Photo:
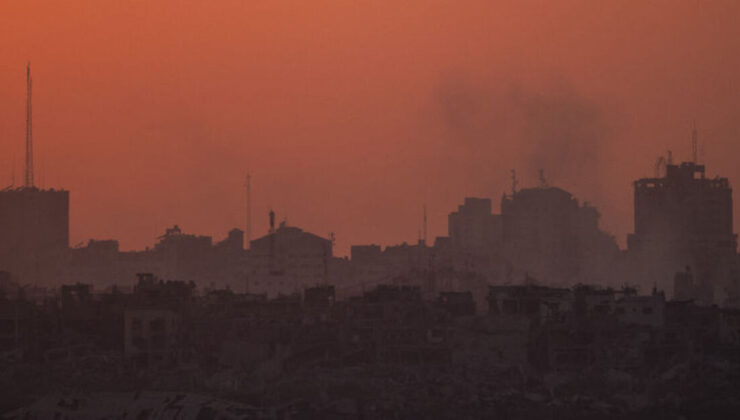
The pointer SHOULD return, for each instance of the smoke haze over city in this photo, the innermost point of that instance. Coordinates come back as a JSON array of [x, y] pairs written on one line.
[[366, 209], [350, 116]]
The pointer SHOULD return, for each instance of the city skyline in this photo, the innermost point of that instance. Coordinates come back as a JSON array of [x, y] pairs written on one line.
[[369, 209], [354, 130]]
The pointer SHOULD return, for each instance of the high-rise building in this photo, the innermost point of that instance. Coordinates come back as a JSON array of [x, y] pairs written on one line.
[[551, 236], [473, 227], [684, 220], [34, 223], [34, 228]]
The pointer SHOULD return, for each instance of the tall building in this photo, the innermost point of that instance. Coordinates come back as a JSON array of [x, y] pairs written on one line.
[[34, 230], [549, 235], [34, 223], [684, 220], [473, 227]]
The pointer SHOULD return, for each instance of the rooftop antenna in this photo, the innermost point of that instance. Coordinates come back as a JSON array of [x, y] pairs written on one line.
[[249, 210], [660, 165], [272, 221], [514, 182], [12, 174], [425, 225], [271, 262], [543, 181], [694, 144], [42, 172], [29, 130]]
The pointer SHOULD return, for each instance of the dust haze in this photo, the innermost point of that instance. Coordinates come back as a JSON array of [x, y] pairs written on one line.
[[553, 128]]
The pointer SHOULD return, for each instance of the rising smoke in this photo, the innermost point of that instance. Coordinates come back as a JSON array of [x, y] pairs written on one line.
[[554, 128]]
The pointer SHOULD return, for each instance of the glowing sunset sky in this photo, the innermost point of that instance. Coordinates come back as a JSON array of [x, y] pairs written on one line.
[[352, 114]]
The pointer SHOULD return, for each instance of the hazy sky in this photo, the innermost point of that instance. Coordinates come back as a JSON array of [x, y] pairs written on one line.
[[351, 114]]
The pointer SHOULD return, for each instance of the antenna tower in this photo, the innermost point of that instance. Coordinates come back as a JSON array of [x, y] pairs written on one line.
[[12, 174], [249, 210], [29, 130], [543, 181], [425, 224], [694, 145]]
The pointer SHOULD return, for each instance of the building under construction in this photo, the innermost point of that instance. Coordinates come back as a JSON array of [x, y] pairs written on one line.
[[683, 222]]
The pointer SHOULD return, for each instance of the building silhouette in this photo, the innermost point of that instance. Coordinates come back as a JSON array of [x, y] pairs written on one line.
[[473, 227], [34, 226], [547, 233], [287, 260], [684, 219]]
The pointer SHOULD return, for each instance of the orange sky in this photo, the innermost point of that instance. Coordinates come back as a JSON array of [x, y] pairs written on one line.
[[352, 114]]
